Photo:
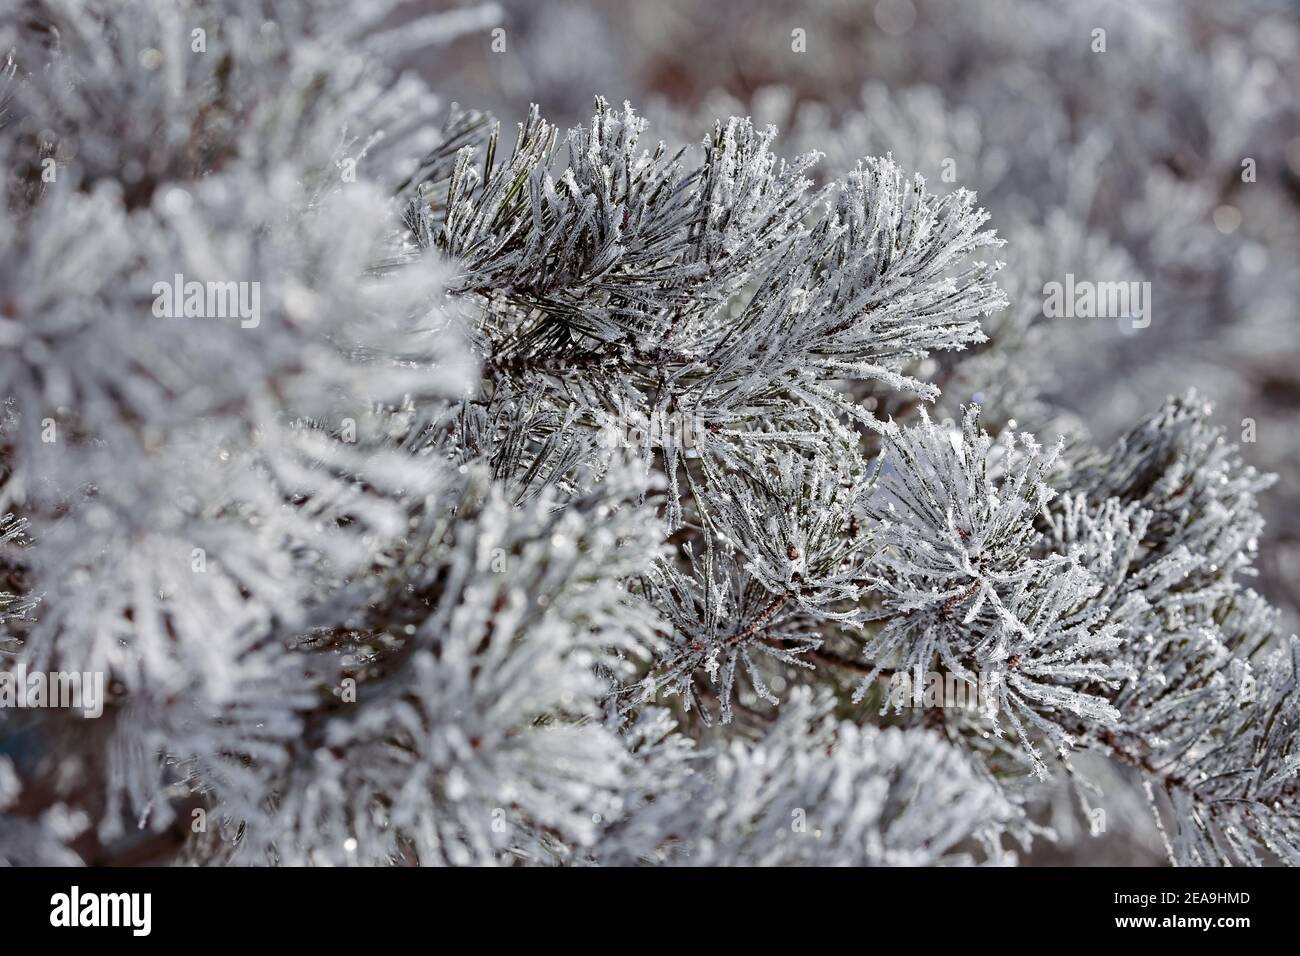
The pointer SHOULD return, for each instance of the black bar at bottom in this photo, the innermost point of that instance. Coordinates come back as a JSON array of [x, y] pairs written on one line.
[[338, 907]]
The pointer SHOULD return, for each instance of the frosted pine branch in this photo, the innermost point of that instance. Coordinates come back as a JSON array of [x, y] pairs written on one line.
[[568, 498]]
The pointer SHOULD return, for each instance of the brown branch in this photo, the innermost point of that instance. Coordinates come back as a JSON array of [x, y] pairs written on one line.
[[761, 621]]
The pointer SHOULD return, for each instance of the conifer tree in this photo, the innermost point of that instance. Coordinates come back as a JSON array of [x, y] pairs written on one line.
[[430, 491]]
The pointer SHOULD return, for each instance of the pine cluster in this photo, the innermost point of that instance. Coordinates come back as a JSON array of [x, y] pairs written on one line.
[[572, 500]]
